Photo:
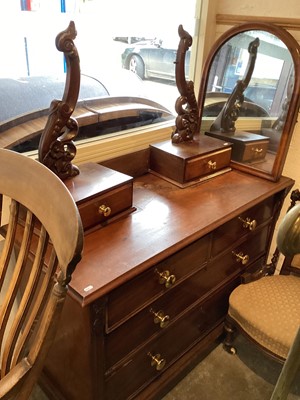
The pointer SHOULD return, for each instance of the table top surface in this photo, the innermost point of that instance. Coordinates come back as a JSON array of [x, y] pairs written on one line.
[[167, 218]]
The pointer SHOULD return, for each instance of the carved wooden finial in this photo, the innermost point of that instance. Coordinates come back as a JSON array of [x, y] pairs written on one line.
[[56, 147], [186, 106]]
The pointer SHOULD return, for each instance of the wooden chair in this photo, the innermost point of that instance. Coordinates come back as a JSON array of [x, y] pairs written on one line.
[[41, 238], [267, 309]]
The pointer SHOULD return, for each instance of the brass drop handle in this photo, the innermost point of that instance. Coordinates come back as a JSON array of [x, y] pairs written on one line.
[[104, 210], [247, 223], [240, 257], [157, 361], [212, 165], [256, 150], [165, 278], [160, 318]]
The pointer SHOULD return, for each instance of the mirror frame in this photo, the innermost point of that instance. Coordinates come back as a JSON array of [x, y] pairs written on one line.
[[292, 115]]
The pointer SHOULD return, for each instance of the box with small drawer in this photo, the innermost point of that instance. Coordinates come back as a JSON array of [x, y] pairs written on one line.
[[101, 194], [186, 163], [247, 147]]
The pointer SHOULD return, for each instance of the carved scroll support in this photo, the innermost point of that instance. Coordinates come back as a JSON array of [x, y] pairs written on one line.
[[56, 147], [225, 121], [187, 120]]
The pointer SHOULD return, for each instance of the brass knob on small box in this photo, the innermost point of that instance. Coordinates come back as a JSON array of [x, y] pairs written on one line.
[[256, 150], [240, 257], [104, 210], [157, 361], [212, 165], [165, 278], [247, 223], [160, 318]]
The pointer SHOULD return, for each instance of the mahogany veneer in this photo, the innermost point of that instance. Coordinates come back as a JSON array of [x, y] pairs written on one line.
[[121, 316]]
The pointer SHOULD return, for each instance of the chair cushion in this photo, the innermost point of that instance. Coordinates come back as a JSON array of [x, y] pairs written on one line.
[[268, 310]]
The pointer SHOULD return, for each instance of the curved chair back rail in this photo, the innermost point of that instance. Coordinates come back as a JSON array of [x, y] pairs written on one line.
[[41, 242]]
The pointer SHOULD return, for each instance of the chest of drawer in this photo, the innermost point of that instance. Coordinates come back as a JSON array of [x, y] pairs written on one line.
[[160, 314], [140, 368], [134, 295], [247, 222], [164, 311]]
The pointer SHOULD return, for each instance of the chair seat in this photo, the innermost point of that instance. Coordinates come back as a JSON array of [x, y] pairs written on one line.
[[276, 299]]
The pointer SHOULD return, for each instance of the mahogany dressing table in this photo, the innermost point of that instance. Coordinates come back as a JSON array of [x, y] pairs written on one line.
[[148, 300]]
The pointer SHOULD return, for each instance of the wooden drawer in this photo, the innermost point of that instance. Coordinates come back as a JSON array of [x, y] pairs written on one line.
[[141, 327], [226, 235], [256, 151], [100, 193], [106, 206], [134, 295], [207, 164], [251, 249], [137, 371]]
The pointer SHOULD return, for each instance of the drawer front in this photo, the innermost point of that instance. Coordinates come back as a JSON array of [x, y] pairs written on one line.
[[102, 208], [137, 370], [134, 295], [249, 221], [207, 164], [162, 313], [255, 151], [240, 258]]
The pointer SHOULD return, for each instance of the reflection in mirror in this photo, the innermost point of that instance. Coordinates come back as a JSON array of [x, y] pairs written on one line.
[[258, 92], [225, 121]]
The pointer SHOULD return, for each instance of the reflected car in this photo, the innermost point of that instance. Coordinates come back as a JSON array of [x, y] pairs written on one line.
[[128, 39], [262, 94], [153, 59], [215, 101], [101, 108]]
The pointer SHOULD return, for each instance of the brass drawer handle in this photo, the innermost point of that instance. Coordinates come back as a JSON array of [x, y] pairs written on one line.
[[165, 278], [248, 224], [212, 165], [157, 361], [160, 318], [104, 210], [240, 257]]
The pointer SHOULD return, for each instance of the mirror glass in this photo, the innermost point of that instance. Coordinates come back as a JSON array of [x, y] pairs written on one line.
[[264, 117]]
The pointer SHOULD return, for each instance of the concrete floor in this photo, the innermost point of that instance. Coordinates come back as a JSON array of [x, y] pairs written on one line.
[[248, 375]]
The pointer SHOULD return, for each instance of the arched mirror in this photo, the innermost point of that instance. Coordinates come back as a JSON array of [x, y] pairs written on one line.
[[267, 113]]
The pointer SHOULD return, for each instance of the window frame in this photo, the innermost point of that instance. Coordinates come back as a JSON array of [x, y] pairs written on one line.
[[114, 145]]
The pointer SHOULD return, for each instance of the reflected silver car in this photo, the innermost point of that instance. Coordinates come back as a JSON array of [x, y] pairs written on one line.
[[153, 59]]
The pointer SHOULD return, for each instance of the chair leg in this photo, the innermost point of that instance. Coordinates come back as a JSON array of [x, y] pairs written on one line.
[[230, 332]]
